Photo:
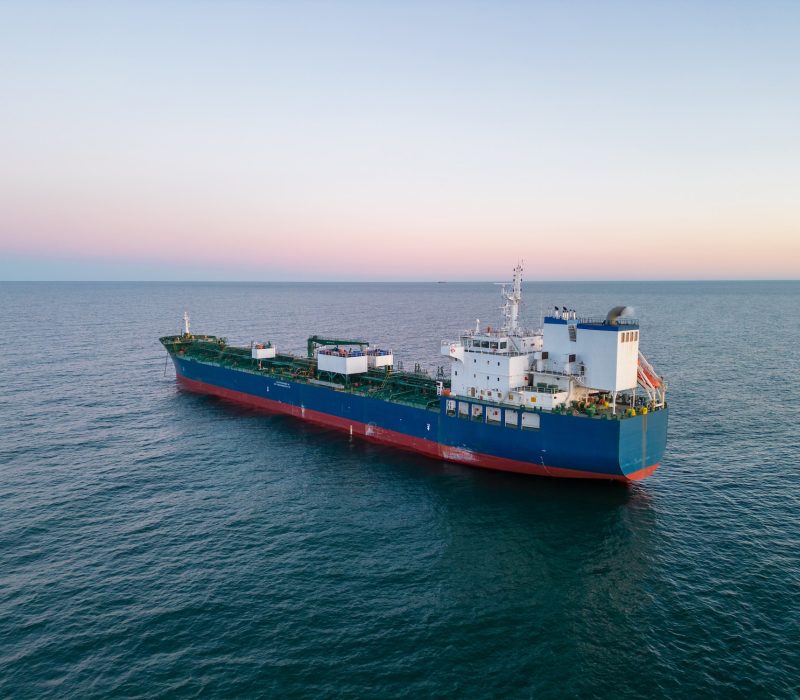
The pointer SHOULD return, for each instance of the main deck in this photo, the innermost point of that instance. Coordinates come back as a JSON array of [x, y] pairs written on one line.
[[416, 388]]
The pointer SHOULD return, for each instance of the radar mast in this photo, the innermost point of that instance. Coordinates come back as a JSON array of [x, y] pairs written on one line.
[[511, 302]]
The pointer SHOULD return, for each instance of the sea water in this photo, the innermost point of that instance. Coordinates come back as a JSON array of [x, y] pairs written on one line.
[[159, 543]]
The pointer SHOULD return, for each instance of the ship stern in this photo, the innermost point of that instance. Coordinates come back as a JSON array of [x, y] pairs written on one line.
[[642, 442]]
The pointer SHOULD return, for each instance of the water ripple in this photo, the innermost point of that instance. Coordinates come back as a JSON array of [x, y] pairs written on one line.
[[154, 543]]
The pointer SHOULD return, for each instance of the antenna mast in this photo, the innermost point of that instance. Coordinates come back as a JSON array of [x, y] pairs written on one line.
[[186, 323], [511, 302]]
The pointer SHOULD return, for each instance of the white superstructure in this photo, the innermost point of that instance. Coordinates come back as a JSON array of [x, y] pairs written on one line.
[[569, 359], [342, 361], [262, 351], [349, 360]]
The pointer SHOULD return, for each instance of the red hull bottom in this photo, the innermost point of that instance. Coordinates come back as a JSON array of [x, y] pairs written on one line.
[[382, 436]]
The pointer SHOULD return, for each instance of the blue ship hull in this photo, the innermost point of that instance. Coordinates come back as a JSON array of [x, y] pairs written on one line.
[[563, 445]]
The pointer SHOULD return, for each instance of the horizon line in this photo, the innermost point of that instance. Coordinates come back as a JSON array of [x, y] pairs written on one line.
[[395, 281]]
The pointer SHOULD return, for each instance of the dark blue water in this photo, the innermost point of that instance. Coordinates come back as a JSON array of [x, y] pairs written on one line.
[[156, 543]]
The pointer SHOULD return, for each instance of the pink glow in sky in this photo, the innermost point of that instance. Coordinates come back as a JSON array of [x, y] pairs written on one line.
[[430, 141]]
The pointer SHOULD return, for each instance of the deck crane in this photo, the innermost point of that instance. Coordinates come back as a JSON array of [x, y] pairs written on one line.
[[316, 341]]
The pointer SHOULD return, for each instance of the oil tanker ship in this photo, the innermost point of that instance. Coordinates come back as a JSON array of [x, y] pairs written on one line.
[[574, 398]]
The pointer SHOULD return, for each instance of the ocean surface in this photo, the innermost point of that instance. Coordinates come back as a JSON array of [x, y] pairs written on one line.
[[155, 543]]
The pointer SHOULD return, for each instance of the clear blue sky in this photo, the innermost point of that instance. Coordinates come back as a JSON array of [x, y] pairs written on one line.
[[356, 140]]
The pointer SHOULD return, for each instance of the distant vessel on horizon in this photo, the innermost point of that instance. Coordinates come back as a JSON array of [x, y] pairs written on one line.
[[575, 398]]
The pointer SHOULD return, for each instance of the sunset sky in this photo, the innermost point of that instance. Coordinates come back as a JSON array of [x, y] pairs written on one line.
[[419, 141]]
